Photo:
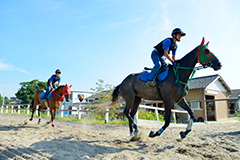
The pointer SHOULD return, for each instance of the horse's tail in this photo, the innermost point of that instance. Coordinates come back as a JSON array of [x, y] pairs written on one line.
[[115, 94], [32, 103]]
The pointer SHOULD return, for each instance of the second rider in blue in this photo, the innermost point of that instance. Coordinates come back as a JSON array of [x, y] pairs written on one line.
[[161, 51]]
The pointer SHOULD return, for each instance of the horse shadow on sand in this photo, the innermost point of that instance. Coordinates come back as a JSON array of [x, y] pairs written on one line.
[[66, 148], [230, 135], [15, 127]]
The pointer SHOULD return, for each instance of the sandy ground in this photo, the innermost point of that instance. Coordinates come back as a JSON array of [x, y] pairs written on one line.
[[75, 140]]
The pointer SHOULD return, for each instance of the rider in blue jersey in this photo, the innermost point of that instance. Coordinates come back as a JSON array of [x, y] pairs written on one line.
[[161, 52], [51, 83]]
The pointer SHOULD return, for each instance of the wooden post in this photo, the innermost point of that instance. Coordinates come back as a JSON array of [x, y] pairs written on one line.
[[18, 109], [106, 116], [6, 109], [174, 117], [62, 107], [37, 109], [156, 111], [48, 111], [12, 109], [204, 107], [28, 108], [136, 117], [156, 114], [79, 112]]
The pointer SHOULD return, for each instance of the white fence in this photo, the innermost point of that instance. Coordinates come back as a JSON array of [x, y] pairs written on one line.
[[26, 107]]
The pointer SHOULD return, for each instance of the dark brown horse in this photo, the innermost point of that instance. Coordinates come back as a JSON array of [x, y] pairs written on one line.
[[171, 90], [53, 102]]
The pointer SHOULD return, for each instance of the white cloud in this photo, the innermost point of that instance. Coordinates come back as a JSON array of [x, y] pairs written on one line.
[[125, 22], [9, 67]]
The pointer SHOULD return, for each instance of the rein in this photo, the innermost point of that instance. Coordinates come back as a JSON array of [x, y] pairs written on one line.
[[175, 69], [55, 96], [203, 58], [66, 90]]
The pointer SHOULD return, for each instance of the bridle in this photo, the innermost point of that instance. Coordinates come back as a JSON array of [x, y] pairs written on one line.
[[205, 58], [66, 91]]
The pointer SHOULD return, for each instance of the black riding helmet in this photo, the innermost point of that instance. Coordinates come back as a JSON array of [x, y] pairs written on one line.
[[58, 71], [177, 31]]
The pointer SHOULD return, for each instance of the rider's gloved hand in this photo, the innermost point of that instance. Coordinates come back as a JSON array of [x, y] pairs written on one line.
[[174, 63], [53, 89]]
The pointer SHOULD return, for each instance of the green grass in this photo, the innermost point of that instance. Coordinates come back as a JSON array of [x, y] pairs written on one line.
[[96, 118], [238, 115], [149, 115], [44, 115]]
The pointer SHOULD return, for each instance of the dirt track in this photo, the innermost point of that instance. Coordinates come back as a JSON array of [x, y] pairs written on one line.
[[74, 140]]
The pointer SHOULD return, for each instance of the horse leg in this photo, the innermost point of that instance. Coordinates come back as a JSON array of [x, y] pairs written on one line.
[[53, 117], [34, 104], [185, 106], [51, 111], [39, 114], [129, 103], [168, 107], [133, 112]]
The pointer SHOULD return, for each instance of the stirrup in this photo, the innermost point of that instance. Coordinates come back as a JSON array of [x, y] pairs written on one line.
[[163, 68], [151, 83]]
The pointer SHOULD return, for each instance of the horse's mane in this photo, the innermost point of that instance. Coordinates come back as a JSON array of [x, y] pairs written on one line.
[[184, 57], [59, 87]]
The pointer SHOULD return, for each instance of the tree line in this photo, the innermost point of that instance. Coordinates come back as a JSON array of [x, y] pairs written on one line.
[[27, 90]]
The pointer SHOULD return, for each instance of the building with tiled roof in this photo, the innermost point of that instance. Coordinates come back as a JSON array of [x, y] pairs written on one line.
[[209, 88]]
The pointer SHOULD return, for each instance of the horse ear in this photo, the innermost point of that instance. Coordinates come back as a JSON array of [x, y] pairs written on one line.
[[70, 86], [202, 43], [207, 43]]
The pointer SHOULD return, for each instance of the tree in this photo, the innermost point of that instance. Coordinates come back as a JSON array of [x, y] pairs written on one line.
[[103, 91], [28, 89], [1, 99], [6, 100]]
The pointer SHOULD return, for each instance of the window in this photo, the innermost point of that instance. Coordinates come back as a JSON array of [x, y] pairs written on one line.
[[195, 105], [81, 95]]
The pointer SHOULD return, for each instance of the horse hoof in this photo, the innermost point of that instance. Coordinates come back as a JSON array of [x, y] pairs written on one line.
[[53, 126], [47, 122], [31, 119], [151, 134], [136, 132], [131, 134], [182, 134]]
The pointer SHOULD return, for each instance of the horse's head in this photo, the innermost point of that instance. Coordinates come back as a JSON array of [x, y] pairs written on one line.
[[207, 58], [66, 92]]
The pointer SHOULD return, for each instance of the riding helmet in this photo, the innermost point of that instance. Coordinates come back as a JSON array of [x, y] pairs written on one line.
[[178, 30], [58, 71]]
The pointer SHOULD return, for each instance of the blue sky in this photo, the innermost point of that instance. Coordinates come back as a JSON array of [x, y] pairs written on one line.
[[105, 39]]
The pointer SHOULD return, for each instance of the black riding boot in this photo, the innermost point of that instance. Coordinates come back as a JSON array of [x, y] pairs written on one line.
[[153, 83]]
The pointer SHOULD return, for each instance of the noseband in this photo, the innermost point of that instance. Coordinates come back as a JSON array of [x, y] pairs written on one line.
[[66, 91]]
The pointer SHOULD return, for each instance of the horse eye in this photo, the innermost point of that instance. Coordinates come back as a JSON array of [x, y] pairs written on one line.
[[66, 91], [206, 51]]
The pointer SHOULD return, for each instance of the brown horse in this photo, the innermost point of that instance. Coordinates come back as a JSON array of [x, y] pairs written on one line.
[[53, 102]]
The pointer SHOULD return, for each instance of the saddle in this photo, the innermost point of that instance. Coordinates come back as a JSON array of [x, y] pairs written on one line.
[[161, 76], [42, 95]]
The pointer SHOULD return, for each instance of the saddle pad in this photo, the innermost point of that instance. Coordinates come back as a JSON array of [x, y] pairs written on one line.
[[161, 76], [41, 95]]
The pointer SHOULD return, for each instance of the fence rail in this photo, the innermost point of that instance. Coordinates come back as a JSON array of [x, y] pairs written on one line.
[[17, 108]]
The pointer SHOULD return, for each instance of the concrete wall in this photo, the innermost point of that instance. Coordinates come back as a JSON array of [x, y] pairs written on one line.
[[194, 95], [221, 106]]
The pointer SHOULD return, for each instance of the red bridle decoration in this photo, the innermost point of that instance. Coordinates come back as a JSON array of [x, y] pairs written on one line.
[[66, 91]]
